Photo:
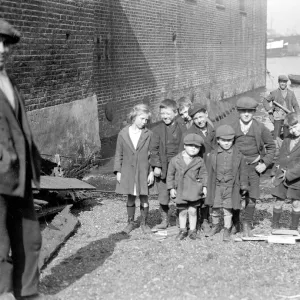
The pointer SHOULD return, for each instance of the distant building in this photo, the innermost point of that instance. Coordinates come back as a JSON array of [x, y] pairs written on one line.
[[112, 54]]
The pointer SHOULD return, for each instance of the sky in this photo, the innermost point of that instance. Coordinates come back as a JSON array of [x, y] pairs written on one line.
[[284, 16]]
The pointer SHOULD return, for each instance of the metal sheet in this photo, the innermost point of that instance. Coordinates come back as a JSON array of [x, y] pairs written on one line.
[[61, 183]]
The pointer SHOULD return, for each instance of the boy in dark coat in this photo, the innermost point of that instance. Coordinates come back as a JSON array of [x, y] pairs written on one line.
[[186, 181], [286, 98], [164, 145], [204, 128], [286, 173], [256, 143], [227, 177]]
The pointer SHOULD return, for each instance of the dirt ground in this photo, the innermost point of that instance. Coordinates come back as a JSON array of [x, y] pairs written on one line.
[[99, 262]]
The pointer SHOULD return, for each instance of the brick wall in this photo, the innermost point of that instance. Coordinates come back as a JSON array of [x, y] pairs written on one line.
[[128, 51]]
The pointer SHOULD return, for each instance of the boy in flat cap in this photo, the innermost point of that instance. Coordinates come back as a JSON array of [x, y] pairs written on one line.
[[255, 142], [227, 180], [19, 164], [204, 128], [285, 97], [186, 181], [286, 173], [164, 145]]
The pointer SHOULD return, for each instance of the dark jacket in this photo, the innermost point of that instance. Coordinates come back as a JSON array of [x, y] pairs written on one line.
[[264, 141], [16, 145], [210, 141], [188, 180], [240, 174], [290, 101], [132, 163], [158, 153], [289, 161]]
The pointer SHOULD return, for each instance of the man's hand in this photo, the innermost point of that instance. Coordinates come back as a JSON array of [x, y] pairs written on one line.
[[244, 193], [150, 179], [271, 117], [157, 172], [283, 175], [119, 177], [261, 167], [204, 192], [173, 193]]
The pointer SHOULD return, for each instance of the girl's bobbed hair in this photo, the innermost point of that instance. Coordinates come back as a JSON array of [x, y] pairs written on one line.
[[138, 110]]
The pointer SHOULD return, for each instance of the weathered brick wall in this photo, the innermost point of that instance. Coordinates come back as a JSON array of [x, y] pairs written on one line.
[[126, 51]]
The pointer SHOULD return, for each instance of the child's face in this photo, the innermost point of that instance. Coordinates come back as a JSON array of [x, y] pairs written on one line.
[[200, 119], [295, 130], [225, 143], [184, 113], [246, 115], [141, 120], [192, 150], [168, 115], [283, 85]]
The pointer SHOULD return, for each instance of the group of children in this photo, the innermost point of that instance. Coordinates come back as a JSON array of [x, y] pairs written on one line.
[[204, 170]]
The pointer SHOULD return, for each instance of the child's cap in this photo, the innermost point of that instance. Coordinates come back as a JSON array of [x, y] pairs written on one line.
[[225, 131], [193, 139], [196, 108], [246, 103], [282, 78]]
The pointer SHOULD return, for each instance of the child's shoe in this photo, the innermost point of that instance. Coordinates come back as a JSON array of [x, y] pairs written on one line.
[[205, 227], [182, 234], [235, 228], [247, 230], [226, 235], [193, 234], [130, 226], [213, 230], [146, 229]]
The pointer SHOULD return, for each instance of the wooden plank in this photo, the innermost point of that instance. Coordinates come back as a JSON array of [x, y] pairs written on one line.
[[255, 238], [285, 232], [61, 183], [281, 239], [48, 211], [62, 227]]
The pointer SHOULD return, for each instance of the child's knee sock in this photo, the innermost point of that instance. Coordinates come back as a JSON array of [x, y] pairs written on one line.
[[204, 213], [227, 218], [182, 218], [295, 220], [249, 210], [192, 217], [215, 216]]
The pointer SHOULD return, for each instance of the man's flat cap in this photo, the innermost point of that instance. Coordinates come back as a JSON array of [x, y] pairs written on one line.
[[282, 78], [225, 131], [246, 103], [196, 108], [13, 35], [193, 139]]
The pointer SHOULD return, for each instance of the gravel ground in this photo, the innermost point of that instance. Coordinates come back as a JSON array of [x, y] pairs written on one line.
[[99, 262]]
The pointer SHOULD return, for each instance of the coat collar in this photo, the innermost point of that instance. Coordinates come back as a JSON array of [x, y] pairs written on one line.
[[193, 162], [144, 135], [296, 147]]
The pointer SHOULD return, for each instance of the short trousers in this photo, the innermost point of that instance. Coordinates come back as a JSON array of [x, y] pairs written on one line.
[[163, 192], [253, 181], [195, 204], [223, 196], [283, 192]]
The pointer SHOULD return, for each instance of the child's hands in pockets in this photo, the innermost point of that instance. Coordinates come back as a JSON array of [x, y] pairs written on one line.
[[173, 193], [204, 191], [119, 177], [150, 179]]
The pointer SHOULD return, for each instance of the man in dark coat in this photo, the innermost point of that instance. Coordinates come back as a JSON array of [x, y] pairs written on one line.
[[256, 143], [205, 128], [286, 98], [19, 164]]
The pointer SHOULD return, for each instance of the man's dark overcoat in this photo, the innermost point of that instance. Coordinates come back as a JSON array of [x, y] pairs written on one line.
[[240, 181], [15, 137], [132, 163]]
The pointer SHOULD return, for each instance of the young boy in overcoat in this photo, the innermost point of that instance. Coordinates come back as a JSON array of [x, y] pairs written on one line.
[[286, 97], [227, 180], [286, 173], [204, 128], [164, 145], [186, 180], [256, 143]]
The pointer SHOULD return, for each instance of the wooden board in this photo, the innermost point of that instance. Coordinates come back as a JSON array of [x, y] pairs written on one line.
[[281, 239], [285, 232], [62, 227], [61, 183], [255, 238]]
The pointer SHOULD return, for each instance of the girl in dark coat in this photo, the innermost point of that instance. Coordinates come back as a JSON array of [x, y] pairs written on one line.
[[132, 168]]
